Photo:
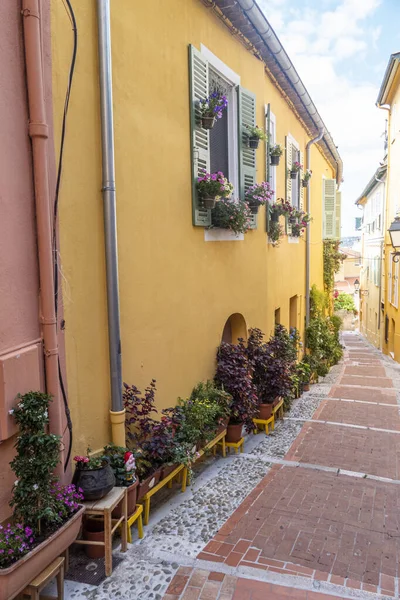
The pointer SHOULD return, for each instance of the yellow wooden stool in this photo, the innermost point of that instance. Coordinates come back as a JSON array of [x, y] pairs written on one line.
[[260, 423], [137, 516], [277, 410], [235, 445], [54, 570]]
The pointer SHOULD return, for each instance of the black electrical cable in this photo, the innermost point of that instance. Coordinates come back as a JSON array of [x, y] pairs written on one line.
[[71, 15]]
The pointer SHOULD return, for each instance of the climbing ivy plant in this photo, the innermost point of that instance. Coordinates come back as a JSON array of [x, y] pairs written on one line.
[[332, 261]]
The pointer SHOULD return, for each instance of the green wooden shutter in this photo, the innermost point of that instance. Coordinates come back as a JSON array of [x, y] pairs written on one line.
[[329, 199], [267, 160], [200, 138], [302, 189], [247, 156], [338, 214], [289, 162]]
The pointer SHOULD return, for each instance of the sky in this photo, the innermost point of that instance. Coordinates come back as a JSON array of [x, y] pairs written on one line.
[[341, 48]]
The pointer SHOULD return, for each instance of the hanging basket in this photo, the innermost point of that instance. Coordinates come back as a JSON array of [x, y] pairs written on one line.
[[209, 202], [207, 122], [293, 174], [254, 208], [254, 142], [305, 183], [275, 158], [292, 220], [274, 217]]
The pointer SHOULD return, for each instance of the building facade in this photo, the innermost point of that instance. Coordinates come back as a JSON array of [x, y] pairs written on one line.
[[389, 99], [183, 285], [372, 281]]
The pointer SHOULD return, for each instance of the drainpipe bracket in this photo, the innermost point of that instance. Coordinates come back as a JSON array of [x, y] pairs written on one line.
[[52, 352], [38, 130], [27, 11], [51, 321]]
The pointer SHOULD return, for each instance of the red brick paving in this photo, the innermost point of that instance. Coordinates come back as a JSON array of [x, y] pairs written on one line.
[[379, 382], [367, 395], [360, 450], [313, 524], [359, 414], [228, 587]]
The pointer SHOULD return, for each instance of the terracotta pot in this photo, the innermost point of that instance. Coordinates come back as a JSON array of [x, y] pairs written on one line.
[[15, 578], [93, 531], [132, 495], [95, 483], [234, 432], [167, 469], [148, 483], [254, 142], [293, 174], [265, 411], [222, 427], [275, 160], [207, 122], [209, 202], [306, 387]]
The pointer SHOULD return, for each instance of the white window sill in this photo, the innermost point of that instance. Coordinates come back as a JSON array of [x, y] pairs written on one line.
[[222, 235]]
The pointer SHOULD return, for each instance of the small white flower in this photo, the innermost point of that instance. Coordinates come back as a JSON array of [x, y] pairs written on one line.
[[16, 482], [35, 487], [11, 411]]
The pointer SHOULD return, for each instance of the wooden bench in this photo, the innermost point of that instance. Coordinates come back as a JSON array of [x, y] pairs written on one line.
[[54, 570]]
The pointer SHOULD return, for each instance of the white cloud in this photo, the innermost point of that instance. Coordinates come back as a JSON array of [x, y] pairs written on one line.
[[324, 46]]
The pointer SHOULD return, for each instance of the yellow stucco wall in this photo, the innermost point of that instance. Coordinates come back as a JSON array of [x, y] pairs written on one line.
[[176, 290], [392, 195]]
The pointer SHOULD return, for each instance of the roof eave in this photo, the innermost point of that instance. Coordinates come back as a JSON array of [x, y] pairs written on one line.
[[388, 77]]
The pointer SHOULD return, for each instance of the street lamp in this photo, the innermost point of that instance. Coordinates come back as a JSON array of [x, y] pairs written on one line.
[[356, 286], [394, 232]]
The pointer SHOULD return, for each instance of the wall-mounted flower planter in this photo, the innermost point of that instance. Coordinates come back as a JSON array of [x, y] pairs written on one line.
[[305, 183], [209, 202], [274, 217], [275, 159], [292, 220], [293, 174], [207, 122], [254, 208], [254, 143], [15, 578]]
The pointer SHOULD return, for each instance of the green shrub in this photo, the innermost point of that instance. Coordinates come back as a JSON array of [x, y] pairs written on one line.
[[322, 343], [345, 302]]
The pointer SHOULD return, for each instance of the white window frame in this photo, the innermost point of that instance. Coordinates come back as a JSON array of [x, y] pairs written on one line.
[[296, 144], [390, 276], [395, 302], [272, 139]]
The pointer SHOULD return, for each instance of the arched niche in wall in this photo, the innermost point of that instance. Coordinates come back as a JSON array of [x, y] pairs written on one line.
[[235, 328]]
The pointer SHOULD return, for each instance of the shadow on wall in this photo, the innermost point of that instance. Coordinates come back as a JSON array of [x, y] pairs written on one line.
[[235, 328]]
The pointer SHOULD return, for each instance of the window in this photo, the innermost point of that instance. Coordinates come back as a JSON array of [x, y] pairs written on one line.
[[224, 147], [277, 316], [272, 142], [294, 189], [293, 310]]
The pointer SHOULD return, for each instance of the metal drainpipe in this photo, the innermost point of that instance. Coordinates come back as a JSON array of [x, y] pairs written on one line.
[[117, 412], [308, 239], [39, 133]]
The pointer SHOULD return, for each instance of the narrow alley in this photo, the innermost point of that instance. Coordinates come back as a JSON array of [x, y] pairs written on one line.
[[324, 521]]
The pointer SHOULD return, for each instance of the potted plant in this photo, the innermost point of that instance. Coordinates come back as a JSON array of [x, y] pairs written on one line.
[[212, 108], [233, 374], [213, 186], [93, 475], [304, 373], [231, 214], [47, 516], [218, 401], [296, 167], [122, 462], [306, 177], [276, 210], [300, 222], [275, 153], [258, 195], [140, 428], [255, 134]]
